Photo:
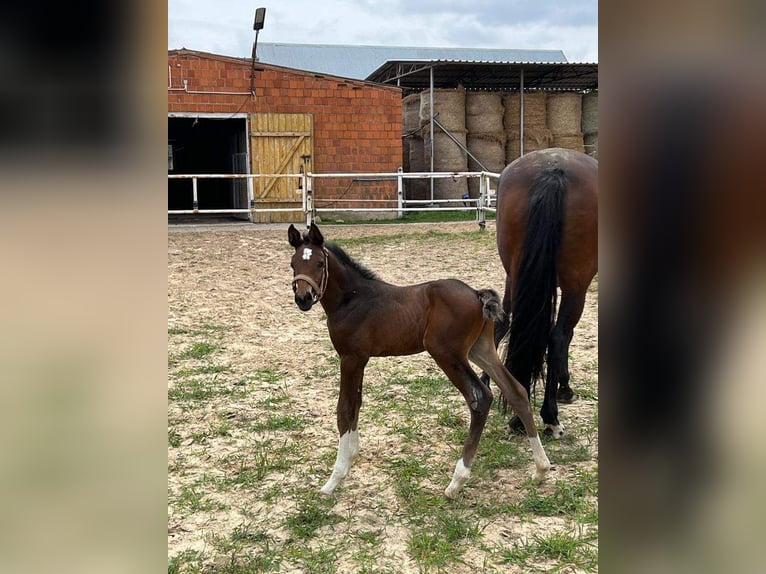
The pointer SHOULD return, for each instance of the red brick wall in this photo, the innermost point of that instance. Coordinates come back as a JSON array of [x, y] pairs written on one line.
[[357, 125]]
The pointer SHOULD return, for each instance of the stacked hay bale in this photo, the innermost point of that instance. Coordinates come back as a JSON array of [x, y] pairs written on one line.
[[536, 132], [449, 109], [485, 138], [590, 123], [412, 148], [564, 120]]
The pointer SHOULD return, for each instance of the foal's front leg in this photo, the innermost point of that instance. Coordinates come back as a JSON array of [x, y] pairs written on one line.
[[349, 402]]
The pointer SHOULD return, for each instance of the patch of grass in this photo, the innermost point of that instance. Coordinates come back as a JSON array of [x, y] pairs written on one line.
[[281, 423], [174, 439], [193, 500], [564, 548], [203, 370], [430, 550], [425, 216], [406, 471], [439, 543], [178, 331], [244, 534], [187, 562], [313, 513], [188, 391], [266, 375], [260, 459], [320, 561], [199, 350], [567, 498], [447, 417]]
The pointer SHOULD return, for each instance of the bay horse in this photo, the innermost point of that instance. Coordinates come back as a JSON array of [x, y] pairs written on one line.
[[547, 236], [367, 317]]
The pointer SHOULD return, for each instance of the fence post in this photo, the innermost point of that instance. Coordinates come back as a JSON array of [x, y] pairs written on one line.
[[195, 202], [480, 213], [309, 201], [399, 193]]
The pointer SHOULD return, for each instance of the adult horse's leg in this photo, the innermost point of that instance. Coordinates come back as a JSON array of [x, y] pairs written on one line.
[[570, 311], [572, 305], [349, 403], [484, 355]]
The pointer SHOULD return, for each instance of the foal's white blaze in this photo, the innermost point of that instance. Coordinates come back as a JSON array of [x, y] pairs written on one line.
[[459, 478], [348, 450], [307, 254], [542, 464]]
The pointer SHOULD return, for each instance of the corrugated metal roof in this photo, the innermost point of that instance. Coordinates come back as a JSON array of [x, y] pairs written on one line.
[[361, 61], [415, 75]]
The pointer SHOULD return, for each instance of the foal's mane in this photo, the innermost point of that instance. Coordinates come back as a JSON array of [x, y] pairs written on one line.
[[346, 260]]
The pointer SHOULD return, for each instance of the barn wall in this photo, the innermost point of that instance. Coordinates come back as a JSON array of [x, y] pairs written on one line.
[[357, 125]]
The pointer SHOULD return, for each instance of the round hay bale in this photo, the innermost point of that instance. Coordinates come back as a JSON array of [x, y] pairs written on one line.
[[590, 142], [448, 104], [564, 113], [483, 112], [410, 113], [417, 154], [406, 154], [534, 110], [489, 149], [569, 141], [417, 188], [448, 156], [590, 113], [534, 139]]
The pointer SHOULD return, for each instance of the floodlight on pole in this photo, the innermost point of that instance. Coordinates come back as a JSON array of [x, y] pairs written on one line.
[[260, 17]]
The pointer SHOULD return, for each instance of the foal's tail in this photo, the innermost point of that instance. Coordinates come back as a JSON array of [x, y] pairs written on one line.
[[534, 290], [491, 307]]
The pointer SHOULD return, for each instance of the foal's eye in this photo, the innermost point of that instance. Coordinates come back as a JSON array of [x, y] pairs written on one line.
[[321, 264]]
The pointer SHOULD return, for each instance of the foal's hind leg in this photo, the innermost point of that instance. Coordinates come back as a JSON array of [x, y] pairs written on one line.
[[349, 403], [501, 327], [479, 399], [484, 355]]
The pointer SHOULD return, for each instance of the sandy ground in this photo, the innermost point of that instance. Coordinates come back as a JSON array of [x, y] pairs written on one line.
[[238, 281]]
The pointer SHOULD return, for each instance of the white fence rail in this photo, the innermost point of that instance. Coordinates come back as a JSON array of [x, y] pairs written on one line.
[[400, 205]]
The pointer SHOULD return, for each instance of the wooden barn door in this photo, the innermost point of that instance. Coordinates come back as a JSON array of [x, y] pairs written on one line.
[[277, 142]]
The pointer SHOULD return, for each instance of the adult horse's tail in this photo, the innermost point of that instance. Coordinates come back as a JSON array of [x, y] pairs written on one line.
[[534, 289]]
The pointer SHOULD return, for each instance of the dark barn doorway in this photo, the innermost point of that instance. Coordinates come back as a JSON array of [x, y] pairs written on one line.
[[207, 145]]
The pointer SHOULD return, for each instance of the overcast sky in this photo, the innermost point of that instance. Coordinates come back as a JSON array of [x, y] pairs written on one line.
[[226, 26]]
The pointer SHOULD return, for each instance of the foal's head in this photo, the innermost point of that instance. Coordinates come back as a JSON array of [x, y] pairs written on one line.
[[309, 265]]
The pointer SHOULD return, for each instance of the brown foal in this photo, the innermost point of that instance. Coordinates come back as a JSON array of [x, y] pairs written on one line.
[[367, 317]]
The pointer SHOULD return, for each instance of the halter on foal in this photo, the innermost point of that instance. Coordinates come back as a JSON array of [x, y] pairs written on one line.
[[367, 317]]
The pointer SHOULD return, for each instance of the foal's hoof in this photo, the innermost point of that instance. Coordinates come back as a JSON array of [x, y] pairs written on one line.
[[515, 426], [566, 396], [554, 431]]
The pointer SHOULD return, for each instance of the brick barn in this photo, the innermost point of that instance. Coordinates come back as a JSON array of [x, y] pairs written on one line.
[[230, 115]]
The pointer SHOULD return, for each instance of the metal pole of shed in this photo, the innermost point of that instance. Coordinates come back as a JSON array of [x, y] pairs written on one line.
[[521, 107], [431, 101]]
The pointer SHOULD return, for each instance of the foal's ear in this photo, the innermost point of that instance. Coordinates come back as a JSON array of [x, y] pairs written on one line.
[[294, 236], [315, 236]]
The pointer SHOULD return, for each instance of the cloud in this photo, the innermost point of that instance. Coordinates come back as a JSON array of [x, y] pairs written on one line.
[[226, 26]]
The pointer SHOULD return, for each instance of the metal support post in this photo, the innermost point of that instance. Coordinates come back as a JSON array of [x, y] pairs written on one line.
[[399, 193], [481, 215], [195, 201], [309, 202]]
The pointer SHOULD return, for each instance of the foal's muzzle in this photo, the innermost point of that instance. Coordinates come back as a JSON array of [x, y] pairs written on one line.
[[304, 301]]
